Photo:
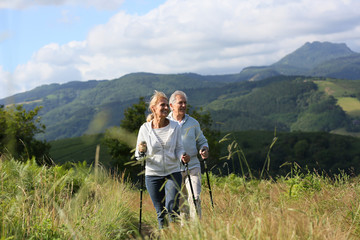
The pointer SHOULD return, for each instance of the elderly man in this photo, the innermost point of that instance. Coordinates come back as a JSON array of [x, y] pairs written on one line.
[[194, 142]]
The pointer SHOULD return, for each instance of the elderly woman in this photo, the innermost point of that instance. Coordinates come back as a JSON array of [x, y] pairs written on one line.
[[164, 153]]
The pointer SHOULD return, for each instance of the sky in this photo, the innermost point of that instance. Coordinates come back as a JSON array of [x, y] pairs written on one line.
[[58, 41]]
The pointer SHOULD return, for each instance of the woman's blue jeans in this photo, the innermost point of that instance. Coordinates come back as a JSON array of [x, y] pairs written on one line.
[[164, 192]]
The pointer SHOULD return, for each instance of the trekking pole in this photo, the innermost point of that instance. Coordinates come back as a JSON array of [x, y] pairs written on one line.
[[208, 179], [142, 155], [191, 187]]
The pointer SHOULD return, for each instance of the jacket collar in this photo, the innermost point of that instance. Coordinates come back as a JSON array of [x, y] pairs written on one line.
[[186, 117], [171, 123], [172, 126]]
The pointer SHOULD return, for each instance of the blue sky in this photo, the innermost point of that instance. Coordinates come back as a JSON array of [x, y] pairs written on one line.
[[57, 41], [27, 30]]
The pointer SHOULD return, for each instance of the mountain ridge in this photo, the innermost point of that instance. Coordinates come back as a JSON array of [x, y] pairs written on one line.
[[306, 59]]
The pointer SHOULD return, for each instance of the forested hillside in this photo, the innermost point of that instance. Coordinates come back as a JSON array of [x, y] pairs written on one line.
[[287, 103], [70, 111], [284, 103]]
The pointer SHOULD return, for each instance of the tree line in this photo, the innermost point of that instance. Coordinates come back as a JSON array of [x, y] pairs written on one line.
[[18, 128], [316, 151]]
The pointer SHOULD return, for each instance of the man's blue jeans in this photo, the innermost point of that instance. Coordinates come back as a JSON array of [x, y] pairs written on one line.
[[164, 192]]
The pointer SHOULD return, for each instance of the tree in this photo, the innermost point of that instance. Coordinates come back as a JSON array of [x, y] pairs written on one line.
[[134, 116], [121, 140], [17, 134]]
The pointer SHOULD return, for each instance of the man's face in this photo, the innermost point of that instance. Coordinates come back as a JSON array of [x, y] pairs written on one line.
[[179, 107]]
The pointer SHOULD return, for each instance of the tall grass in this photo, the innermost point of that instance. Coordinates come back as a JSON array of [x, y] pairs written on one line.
[[319, 208], [57, 203]]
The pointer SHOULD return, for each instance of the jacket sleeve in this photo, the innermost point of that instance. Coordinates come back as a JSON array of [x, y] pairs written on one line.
[[141, 137], [201, 140]]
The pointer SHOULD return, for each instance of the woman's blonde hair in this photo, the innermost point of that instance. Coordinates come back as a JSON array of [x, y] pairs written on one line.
[[153, 101]]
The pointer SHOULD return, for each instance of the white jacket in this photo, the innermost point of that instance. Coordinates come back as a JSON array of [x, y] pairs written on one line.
[[161, 161]]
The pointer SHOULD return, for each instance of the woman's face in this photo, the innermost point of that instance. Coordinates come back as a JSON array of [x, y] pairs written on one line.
[[161, 108]]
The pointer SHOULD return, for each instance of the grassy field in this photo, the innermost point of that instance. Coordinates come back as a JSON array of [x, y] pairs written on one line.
[[79, 149], [88, 203], [344, 92], [338, 88], [350, 105]]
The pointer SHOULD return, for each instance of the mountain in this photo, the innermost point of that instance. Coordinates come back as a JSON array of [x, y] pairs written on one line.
[[312, 59], [343, 68], [309, 55], [256, 98]]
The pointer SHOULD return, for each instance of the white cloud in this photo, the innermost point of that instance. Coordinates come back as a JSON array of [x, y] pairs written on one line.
[[22, 4], [202, 36], [186, 35], [50, 64], [65, 55]]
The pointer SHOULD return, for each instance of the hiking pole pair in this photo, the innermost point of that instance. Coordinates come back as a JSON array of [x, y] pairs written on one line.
[[208, 179], [142, 156]]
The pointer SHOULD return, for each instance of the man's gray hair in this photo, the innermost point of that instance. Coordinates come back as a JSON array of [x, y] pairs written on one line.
[[173, 96]]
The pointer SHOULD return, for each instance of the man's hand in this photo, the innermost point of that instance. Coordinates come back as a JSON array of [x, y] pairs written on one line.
[[185, 158], [204, 152]]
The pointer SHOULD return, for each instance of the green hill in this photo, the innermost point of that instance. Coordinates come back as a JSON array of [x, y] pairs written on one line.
[[288, 103], [68, 112]]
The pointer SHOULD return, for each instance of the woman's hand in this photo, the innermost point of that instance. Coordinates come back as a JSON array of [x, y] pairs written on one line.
[[142, 147]]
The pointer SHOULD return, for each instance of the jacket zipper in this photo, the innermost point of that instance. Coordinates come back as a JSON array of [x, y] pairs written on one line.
[[163, 153]]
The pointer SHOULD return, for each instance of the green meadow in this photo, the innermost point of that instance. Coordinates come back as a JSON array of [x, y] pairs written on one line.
[[345, 92], [89, 203], [350, 105]]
